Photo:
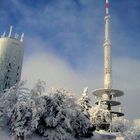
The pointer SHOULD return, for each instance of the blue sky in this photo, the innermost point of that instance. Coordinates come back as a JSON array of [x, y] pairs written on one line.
[[62, 22], [64, 38]]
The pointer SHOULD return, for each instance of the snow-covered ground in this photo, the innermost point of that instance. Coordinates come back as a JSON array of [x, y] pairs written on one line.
[[5, 136]]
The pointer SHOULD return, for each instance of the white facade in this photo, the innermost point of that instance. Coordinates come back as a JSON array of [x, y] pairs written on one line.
[[11, 58]]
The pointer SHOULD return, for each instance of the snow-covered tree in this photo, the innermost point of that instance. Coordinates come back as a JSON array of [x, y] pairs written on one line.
[[131, 133], [84, 102], [63, 97], [81, 125], [126, 129], [15, 109], [38, 89], [11, 97], [20, 120], [58, 118], [120, 124], [54, 115], [100, 116]]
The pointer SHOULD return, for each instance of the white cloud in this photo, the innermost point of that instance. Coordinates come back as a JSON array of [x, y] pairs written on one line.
[[56, 72]]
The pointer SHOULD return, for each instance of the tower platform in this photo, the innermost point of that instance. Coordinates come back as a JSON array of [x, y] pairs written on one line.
[[118, 114], [109, 102], [111, 92]]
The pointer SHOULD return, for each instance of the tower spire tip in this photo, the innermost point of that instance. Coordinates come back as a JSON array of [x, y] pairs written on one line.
[[107, 8]]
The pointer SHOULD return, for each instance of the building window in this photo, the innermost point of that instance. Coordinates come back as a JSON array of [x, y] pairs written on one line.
[[5, 85], [17, 74], [7, 77], [9, 64], [8, 70]]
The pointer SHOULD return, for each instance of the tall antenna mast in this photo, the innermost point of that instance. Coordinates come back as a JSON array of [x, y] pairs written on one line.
[[107, 8], [107, 51], [107, 94]]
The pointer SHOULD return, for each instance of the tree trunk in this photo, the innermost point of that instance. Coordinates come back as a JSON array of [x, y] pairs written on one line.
[[19, 138]]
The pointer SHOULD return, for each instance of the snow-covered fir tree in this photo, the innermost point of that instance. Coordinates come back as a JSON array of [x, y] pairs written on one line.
[[120, 124], [60, 118], [11, 96], [99, 115], [132, 133], [16, 110], [84, 102], [20, 120], [55, 115], [38, 89]]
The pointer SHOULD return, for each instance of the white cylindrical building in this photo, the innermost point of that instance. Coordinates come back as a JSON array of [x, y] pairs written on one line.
[[11, 58]]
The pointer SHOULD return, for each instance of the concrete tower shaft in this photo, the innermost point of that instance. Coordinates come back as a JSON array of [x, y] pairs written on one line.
[[107, 52], [11, 58]]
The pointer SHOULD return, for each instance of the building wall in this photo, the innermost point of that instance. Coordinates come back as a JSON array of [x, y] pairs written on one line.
[[11, 58]]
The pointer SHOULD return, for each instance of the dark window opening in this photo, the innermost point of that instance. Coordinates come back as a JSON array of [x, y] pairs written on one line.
[[9, 64], [7, 77], [5, 85], [8, 70]]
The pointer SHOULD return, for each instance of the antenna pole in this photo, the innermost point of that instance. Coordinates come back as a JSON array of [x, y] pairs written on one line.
[[107, 51], [10, 31], [22, 37], [107, 8]]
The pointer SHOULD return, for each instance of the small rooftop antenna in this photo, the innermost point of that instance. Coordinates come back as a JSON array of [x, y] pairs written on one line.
[[16, 36], [22, 37], [10, 31], [3, 35]]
